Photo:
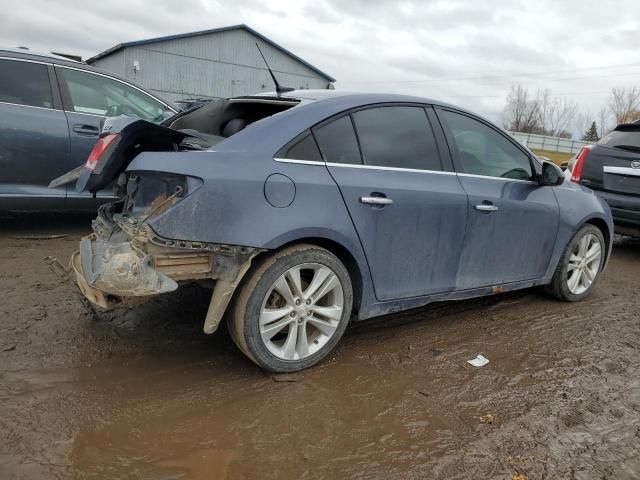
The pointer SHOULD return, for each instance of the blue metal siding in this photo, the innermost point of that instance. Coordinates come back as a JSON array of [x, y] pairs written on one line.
[[114, 63], [220, 64]]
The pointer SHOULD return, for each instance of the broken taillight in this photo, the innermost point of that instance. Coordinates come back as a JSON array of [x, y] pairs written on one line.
[[576, 172], [99, 148]]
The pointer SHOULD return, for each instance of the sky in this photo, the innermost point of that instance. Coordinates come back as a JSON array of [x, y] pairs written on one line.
[[465, 52]]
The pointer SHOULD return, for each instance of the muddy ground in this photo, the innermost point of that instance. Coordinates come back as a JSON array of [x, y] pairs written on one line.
[[143, 394]]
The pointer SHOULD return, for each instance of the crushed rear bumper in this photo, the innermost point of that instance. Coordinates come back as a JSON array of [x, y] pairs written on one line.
[[136, 270], [108, 273]]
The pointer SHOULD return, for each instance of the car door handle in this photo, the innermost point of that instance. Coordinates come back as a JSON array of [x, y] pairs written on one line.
[[486, 207], [376, 200], [88, 130]]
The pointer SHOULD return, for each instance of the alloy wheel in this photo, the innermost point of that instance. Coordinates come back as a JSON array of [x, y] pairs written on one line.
[[584, 264], [301, 311]]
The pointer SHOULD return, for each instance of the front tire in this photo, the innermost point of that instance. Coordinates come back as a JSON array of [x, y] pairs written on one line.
[[580, 265], [292, 309]]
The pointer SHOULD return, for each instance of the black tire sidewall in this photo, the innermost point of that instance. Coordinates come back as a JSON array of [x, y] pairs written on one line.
[[251, 331]]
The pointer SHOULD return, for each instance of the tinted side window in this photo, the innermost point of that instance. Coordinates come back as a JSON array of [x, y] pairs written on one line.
[[100, 95], [629, 137], [338, 142], [25, 83], [303, 148], [398, 137], [484, 151]]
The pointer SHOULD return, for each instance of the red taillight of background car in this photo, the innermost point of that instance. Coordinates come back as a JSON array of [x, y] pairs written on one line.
[[98, 150], [576, 171]]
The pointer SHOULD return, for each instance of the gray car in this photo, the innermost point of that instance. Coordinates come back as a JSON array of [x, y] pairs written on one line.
[[309, 210], [51, 112]]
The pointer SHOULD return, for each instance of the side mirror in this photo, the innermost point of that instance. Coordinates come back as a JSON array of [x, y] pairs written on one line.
[[551, 175]]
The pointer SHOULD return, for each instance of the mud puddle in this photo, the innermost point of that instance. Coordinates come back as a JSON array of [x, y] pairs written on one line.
[[143, 394]]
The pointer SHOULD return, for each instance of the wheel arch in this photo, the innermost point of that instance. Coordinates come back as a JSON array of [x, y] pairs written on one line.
[[343, 253], [602, 225]]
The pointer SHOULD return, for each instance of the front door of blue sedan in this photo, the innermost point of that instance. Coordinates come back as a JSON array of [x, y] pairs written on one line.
[[512, 221], [409, 211]]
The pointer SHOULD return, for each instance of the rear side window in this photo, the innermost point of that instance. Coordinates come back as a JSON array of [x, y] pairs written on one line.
[[25, 83], [338, 143], [399, 137], [302, 148]]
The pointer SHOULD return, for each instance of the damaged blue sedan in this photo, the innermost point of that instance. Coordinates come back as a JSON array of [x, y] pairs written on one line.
[[307, 210]]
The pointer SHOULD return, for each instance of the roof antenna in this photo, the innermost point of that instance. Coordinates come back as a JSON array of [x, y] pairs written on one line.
[[279, 89]]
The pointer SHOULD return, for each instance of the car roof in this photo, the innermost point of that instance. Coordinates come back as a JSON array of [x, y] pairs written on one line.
[[25, 51], [306, 96]]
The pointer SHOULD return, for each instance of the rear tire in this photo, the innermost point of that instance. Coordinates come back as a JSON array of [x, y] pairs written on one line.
[[292, 308], [580, 265]]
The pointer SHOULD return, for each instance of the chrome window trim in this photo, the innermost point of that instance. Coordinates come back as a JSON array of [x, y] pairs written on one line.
[[119, 81], [474, 175], [32, 106], [391, 169], [622, 170], [399, 169], [89, 114], [25, 60], [302, 162]]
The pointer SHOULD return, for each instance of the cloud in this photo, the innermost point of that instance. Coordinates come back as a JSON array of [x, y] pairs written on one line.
[[463, 51]]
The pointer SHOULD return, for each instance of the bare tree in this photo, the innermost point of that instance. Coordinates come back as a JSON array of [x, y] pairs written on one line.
[[557, 114], [624, 104], [522, 113], [603, 121], [582, 122]]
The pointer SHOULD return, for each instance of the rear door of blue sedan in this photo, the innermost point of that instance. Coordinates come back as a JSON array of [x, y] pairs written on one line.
[[407, 205]]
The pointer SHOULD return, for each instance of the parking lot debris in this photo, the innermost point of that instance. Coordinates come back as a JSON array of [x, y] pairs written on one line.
[[519, 476], [489, 418], [479, 361], [8, 348], [56, 266], [286, 378], [38, 237]]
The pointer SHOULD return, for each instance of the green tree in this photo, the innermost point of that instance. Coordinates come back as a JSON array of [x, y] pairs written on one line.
[[591, 135]]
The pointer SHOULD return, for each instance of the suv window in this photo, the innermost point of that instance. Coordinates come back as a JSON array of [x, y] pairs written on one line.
[[302, 148], [25, 83], [484, 151], [626, 137], [338, 142], [100, 95], [399, 137]]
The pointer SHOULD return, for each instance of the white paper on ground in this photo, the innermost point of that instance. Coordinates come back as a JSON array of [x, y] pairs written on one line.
[[479, 361]]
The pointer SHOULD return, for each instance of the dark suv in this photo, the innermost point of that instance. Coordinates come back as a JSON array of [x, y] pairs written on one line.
[[612, 169], [51, 111]]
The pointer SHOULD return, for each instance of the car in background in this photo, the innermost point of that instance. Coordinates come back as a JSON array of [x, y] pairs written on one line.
[[611, 168], [316, 208], [51, 112]]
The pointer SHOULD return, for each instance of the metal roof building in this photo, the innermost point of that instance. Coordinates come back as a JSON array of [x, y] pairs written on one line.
[[221, 62]]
